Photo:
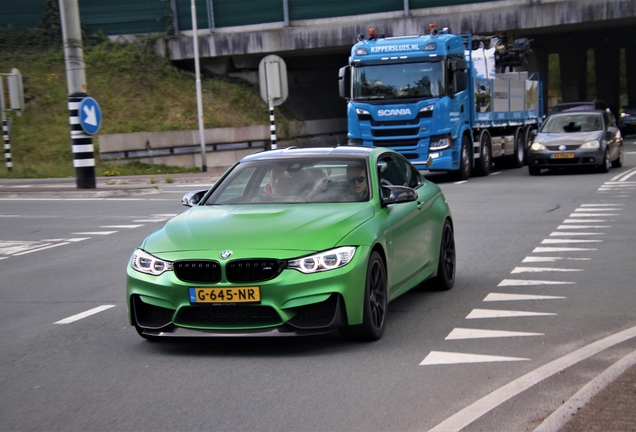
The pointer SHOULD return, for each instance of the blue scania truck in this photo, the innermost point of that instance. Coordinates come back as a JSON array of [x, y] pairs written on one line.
[[431, 98]]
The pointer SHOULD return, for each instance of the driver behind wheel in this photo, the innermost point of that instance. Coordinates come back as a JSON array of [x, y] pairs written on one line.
[[357, 181]]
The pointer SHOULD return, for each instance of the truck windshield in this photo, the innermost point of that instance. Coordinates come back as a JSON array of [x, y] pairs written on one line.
[[398, 81]]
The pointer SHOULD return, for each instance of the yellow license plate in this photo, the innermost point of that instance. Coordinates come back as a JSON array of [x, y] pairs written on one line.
[[226, 295], [563, 156]]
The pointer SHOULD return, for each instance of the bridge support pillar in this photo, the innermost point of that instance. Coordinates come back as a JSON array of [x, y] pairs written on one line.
[[630, 63], [607, 67], [573, 65], [538, 61]]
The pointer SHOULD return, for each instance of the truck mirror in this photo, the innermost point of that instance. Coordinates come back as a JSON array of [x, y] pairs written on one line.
[[344, 82]]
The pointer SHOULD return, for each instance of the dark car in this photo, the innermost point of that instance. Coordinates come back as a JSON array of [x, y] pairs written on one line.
[[577, 138], [627, 121]]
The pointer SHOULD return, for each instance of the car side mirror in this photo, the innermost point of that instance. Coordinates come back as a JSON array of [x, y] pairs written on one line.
[[192, 198], [397, 194]]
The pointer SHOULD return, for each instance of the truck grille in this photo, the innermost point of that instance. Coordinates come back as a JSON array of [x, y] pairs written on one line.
[[396, 143], [394, 132], [253, 270], [241, 316], [203, 271]]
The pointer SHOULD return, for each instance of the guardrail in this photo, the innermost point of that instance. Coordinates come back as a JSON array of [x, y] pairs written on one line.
[[224, 146]]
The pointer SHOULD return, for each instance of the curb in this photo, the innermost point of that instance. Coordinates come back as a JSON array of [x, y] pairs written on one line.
[[563, 414]]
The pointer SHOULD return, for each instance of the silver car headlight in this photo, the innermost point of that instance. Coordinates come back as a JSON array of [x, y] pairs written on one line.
[[143, 262], [323, 261], [591, 145], [537, 146]]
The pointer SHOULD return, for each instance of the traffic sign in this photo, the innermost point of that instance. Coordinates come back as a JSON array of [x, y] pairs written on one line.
[[272, 74], [90, 115]]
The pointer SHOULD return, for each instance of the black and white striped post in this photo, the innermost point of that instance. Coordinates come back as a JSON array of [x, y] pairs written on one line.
[[272, 125], [82, 145], [83, 155], [7, 144]]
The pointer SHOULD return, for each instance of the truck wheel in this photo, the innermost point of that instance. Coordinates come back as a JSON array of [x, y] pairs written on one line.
[[464, 160], [482, 167], [518, 159]]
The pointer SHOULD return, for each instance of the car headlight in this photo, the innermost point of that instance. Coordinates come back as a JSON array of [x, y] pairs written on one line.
[[591, 145], [145, 263], [537, 146], [323, 261]]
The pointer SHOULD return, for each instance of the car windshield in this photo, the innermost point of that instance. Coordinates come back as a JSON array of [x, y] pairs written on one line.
[[284, 181], [398, 81], [582, 122]]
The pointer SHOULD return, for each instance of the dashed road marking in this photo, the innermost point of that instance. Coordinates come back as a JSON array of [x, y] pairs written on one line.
[[464, 333], [523, 282], [492, 297], [84, 314], [496, 313], [447, 358]]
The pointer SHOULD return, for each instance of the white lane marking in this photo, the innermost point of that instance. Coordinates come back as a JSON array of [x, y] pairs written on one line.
[[559, 234], [517, 297], [589, 209], [584, 215], [96, 233], [464, 333], [542, 269], [523, 282], [560, 249], [469, 414], [601, 205], [167, 215], [84, 314], [461, 182], [121, 226], [150, 220], [551, 259], [440, 357], [584, 221], [555, 241], [40, 248], [3, 258], [582, 226], [496, 313]]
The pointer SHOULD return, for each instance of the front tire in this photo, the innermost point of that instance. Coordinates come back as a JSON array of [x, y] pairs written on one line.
[[375, 305], [518, 159], [482, 166], [445, 278], [619, 160], [605, 167], [464, 160]]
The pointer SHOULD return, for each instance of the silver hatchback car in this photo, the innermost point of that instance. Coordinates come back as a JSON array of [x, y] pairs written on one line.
[[576, 138]]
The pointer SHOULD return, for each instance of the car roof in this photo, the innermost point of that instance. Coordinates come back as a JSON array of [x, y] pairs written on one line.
[[584, 111], [294, 152]]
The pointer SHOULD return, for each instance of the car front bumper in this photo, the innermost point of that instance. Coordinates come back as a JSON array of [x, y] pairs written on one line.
[[292, 304]]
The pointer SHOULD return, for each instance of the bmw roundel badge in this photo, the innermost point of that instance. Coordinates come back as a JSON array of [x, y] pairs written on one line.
[[226, 254]]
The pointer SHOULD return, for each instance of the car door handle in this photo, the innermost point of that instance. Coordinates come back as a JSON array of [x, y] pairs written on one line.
[[420, 205]]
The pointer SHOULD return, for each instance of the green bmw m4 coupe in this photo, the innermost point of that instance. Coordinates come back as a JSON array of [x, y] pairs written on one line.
[[292, 242]]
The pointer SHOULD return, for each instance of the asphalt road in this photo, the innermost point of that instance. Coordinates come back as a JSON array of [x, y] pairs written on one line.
[[524, 328]]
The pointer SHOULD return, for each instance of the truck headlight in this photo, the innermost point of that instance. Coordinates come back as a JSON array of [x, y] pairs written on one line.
[[439, 142]]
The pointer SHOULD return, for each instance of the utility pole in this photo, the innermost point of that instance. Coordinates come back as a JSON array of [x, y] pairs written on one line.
[[82, 143], [195, 39]]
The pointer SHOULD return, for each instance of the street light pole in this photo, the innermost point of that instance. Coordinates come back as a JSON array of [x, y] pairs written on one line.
[[195, 38]]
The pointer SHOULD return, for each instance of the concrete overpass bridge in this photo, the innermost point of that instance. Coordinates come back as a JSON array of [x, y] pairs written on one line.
[[314, 49]]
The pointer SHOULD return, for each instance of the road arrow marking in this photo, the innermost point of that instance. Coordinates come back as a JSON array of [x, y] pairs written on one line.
[[439, 357], [464, 333]]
